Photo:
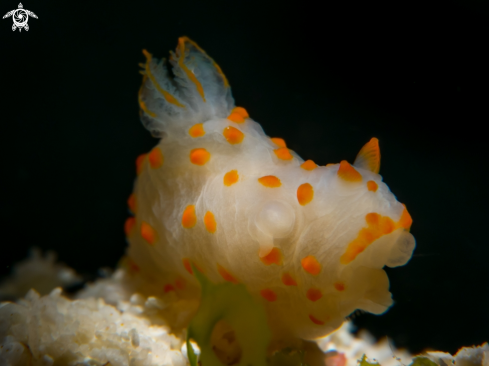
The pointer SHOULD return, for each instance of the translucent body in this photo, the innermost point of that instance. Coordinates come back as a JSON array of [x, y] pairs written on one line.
[[309, 241]]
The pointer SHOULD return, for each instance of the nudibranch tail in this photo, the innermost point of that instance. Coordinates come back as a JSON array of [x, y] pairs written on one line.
[[197, 91]]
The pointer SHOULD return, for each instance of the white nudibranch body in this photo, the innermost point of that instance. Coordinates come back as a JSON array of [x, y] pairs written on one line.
[[216, 192]]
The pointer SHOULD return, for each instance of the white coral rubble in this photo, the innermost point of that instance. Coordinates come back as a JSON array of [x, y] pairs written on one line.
[[55, 330], [40, 272]]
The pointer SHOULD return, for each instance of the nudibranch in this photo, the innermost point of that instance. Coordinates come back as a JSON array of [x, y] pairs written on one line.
[[217, 195]]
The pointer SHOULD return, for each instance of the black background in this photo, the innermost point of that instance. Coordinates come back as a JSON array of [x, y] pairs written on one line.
[[325, 76]]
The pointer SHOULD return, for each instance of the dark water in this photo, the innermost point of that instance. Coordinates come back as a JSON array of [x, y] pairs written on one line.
[[325, 79]]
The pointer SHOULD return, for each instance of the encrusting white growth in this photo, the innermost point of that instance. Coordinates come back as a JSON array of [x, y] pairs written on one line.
[[40, 272], [53, 330], [218, 193]]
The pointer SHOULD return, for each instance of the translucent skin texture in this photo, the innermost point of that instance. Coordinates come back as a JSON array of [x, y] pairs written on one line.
[[309, 241]]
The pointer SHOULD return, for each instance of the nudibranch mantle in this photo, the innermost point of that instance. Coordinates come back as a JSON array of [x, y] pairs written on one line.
[[309, 241]]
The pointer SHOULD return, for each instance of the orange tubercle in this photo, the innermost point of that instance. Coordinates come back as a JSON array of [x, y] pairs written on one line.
[[139, 163], [241, 111], [377, 226], [189, 219], [305, 194], [168, 288], [283, 153], [155, 158], [278, 141], [288, 280], [315, 320], [270, 181], [348, 173], [233, 135], [210, 222], [199, 156], [309, 165], [129, 225], [186, 264], [225, 274], [274, 257], [405, 221], [131, 202], [230, 178], [197, 130], [314, 294], [339, 286], [372, 186], [180, 283], [236, 117], [386, 225], [372, 218], [268, 294], [133, 267], [311, 265], [148, 233]]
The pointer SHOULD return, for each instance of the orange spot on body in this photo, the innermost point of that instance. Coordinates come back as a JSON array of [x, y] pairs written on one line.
[[386, 225], [180, 283], [274, 257], [305, 194], [283, 153], [139, 163], [372, 218], [168, 288], [278, 141], [405, 221], [189, 219], [270, 181], [129, 224], [199, 156], [230, 178], [339, 286], [236, 117], [315, 320], [131, 202], [268, 294], [311, 265], [348, 173], [133, 267], [309, 165], [377, 226], [225, 274], [314, 294], [233, 135], [288, 280], [210, 222], [186, 264], [197, 130], [155, 158], [372, 186], [241, 111], [148, 233]]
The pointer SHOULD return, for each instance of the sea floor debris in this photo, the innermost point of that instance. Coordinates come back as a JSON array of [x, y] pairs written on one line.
[[115, 321]]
